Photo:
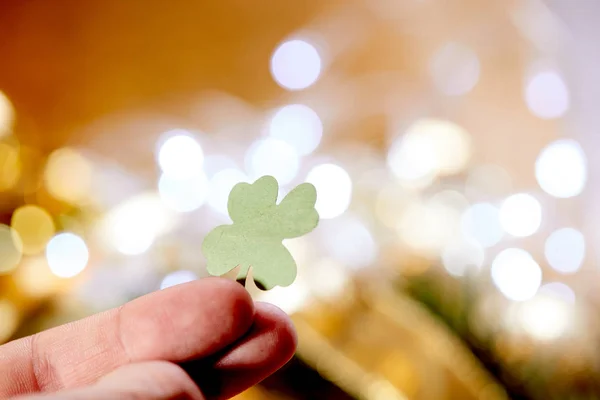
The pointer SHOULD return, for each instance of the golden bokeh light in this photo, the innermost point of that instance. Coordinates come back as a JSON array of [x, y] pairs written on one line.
[[391, 204], [9, 315], [429, 148], [11, 249], [43, 198], [450, 142], [400, 370], [428, 227], [10, 166], [35, 227], [7, 115], [68, 175], [35, 278], [32, 159]]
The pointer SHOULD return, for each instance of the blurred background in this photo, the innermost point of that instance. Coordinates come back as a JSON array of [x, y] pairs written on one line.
[[452, 145]]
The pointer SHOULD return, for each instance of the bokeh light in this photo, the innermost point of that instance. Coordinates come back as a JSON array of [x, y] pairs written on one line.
[[183, 195], [11, 249], [9, 315], [68, 175], [34, 226], [391, 202], [559, 290], [429, 148], [220, 185], [10, 166], [454, 69], [412, 159], [133, 226], [516, 274], [328, 278], [299, 126], [428, 227], [565, 250], [301, 250], [462, 255], [349, 242], [451, 198], [488, 181], [481, 222], [35, 278], [67, 255], [545, 317], [215, 163], [547, 95], [521, 215], [7, 115], [272, 157], [177, 278], [289, 299], [334, 189], [296, 64], [451, 142], [180, 156], [561, 169]]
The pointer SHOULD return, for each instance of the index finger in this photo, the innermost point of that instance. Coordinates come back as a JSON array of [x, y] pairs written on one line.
[[178, 324]]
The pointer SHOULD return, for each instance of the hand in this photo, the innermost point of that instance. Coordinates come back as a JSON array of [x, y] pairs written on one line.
[[203, 340]]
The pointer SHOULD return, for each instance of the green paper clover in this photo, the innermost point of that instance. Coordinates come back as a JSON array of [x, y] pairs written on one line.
[[259, 227]]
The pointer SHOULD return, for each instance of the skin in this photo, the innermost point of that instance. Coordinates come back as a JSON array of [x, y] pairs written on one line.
[[203, 340]]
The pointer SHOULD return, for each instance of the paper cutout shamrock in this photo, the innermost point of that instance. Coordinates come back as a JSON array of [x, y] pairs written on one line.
[[259, 226]]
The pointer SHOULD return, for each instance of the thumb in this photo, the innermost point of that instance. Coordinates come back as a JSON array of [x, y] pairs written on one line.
[[152, 380]]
